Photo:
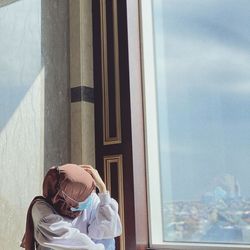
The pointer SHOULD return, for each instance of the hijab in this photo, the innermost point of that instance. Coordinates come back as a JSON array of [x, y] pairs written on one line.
[[63, 188]]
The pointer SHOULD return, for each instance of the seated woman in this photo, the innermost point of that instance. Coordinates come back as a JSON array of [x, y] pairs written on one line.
[[70, 215]]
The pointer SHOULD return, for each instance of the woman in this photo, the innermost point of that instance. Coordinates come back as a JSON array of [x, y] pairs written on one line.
[[70, 215]]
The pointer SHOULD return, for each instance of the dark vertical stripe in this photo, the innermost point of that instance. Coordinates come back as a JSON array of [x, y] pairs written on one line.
[[115, 190], [111, 70]]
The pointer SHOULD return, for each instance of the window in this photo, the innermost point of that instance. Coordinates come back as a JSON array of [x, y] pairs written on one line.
[[196, 58]]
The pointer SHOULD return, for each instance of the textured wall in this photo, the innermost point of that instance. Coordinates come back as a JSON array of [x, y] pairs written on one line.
[[21, 116], [34, 105], [21, 152]]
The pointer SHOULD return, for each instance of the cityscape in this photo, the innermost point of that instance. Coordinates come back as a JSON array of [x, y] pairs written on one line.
[[220, 216]]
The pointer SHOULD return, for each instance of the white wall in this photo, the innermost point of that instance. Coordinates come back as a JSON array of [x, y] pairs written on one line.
[[21, 116], [21, 154]]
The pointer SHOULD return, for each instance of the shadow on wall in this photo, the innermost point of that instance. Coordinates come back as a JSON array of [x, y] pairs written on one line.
[[21, 152], [6, 2], [34, 105], [20, 62]]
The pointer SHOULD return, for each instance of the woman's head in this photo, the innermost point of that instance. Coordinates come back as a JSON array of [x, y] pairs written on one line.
[[66, 187]]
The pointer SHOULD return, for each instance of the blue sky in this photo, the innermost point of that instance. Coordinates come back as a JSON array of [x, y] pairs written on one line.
[[202, 51]]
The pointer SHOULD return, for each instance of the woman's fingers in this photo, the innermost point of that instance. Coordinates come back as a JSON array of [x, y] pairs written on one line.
[[90, 170], [97, 178]]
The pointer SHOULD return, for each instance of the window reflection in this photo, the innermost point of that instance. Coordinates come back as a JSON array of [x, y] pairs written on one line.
[[203, 89]]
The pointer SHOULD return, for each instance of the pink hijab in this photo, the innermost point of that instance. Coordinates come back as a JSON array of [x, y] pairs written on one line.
[[63, 188]]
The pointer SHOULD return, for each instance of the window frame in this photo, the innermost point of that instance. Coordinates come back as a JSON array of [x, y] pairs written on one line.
[[150, 120]]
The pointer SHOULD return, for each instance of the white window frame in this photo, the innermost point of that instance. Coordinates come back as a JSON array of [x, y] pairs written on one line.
[[152, 144]]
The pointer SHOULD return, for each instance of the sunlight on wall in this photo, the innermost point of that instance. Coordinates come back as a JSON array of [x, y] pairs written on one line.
[[21, 154]]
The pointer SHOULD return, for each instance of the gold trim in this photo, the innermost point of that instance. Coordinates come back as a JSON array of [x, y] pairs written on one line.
[[107, 178], [107, 139]]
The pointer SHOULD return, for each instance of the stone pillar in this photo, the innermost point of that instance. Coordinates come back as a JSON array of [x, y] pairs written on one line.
[[55, 56], [81, 82]]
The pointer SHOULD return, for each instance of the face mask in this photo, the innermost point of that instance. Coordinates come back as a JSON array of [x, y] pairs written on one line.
[[83, 205]]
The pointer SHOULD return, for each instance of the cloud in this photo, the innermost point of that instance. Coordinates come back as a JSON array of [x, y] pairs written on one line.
[[202, 45], [208, 64], [240, 88]]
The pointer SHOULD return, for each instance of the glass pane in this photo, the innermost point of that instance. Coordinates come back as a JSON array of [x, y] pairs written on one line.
[[202, 56]]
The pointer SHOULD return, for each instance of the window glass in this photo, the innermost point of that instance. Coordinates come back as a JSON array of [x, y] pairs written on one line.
[[202, 63]]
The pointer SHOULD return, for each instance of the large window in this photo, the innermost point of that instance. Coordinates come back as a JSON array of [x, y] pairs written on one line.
[[196, 56]]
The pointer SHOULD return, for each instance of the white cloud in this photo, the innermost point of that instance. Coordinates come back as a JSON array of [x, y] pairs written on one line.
[[240, 88], [211, 64]]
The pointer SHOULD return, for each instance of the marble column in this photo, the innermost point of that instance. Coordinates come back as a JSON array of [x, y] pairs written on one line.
[[55, 56], [81, 82]]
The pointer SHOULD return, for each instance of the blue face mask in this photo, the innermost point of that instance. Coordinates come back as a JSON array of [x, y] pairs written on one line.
[[83, 205]]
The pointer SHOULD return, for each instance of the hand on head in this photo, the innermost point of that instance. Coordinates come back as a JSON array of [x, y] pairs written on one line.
[[97, 178]]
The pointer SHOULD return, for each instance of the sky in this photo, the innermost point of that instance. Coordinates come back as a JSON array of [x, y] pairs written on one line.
[[202, 57]]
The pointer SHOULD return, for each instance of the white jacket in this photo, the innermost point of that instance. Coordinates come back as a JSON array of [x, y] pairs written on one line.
[[100, 221]]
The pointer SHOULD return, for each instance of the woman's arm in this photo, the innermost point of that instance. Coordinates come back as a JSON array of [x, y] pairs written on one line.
[[52, 231], [104, 221]]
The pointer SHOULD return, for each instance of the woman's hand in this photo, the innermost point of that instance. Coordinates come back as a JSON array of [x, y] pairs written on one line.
[[97, 178]]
